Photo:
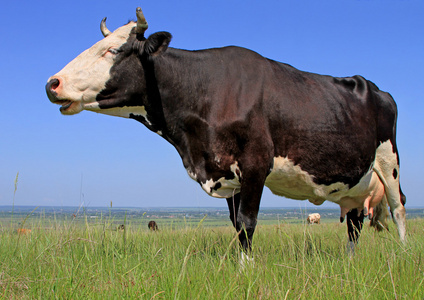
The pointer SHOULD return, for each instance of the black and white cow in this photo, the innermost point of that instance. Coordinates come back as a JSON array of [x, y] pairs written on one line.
[[241, 122]]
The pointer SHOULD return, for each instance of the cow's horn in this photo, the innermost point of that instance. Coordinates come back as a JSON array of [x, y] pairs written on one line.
[[141, 22], [103, 28]]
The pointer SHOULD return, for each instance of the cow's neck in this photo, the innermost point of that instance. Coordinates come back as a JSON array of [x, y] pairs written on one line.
[[176, 90]]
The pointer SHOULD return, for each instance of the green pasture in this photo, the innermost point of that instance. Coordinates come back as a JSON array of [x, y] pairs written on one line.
[[89, 258]]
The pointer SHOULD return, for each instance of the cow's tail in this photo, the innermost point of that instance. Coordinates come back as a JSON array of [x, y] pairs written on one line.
[[380, 216]]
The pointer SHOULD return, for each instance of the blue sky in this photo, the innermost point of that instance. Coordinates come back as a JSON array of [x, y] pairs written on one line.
[[63, 160]]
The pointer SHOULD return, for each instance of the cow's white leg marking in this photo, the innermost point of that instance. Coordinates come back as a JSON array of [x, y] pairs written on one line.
[[385, 164], [350, 248], [245, 261]]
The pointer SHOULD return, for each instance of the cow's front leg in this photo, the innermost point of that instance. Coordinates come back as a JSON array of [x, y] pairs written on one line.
[[233, 207], [244, 208], [244, 223], [250, 198]]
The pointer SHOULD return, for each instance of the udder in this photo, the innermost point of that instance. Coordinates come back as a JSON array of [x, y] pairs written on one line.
[[366, 202]]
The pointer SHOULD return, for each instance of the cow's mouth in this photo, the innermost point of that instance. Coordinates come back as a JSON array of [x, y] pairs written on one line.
[[68, 107], [65, 104]]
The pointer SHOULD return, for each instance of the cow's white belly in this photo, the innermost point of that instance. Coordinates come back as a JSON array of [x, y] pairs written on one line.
[[289, 180]]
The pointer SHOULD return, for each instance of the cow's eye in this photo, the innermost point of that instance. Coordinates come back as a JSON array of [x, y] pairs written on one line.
[[114, 51]]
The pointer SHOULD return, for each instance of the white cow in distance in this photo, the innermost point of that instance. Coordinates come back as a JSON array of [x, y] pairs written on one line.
[[314, 218]]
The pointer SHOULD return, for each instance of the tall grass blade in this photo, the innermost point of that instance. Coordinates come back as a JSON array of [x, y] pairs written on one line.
[[13, 202]]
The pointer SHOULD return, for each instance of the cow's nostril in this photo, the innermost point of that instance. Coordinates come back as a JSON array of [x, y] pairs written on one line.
[[51, 87], [54, 83]]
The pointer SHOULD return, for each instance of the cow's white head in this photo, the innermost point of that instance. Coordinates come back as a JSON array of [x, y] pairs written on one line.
[[108, 77]]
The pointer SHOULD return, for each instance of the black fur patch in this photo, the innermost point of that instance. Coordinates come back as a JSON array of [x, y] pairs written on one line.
[[217, 186], [395, 173]]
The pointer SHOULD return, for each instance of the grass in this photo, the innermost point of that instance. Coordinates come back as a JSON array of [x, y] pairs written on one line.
[[64, 259]]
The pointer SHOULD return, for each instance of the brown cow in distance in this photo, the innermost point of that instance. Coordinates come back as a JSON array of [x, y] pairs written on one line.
[[153, 226]]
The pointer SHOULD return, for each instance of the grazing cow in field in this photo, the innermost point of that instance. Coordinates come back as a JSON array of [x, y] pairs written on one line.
[[153, 226], [241, 121], [314, 218]]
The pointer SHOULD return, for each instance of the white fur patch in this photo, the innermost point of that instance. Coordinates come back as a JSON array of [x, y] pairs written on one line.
[[227, 188], [124, 112], [246, 261], [289, 180], [385, 162], [384, 165], [192, 175]]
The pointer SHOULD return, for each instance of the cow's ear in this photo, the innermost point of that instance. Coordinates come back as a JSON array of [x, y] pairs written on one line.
[[157, 43]]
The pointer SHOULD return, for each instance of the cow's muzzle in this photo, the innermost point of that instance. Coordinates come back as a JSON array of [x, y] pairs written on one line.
[[53, 89]]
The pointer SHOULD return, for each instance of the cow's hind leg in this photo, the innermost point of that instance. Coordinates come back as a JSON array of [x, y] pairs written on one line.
[[387, 168], [380, 215], [395, 198], [355, 221], [398, 211]]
